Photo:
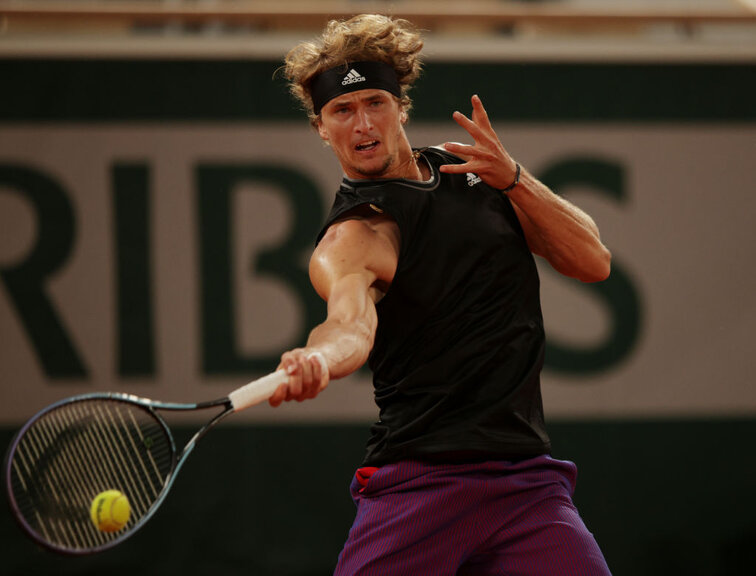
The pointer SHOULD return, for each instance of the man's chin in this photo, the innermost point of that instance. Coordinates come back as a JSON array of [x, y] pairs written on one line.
[[373, 169]]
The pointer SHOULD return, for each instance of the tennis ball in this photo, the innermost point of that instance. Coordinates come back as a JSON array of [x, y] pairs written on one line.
[[110, 511]]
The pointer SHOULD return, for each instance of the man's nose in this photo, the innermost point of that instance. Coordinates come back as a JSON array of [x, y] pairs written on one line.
[[363, 122]]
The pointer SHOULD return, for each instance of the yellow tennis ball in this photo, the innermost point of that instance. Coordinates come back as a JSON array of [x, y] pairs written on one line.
[[110, 511]]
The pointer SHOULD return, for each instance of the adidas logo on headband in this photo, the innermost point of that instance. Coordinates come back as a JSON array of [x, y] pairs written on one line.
[[352, 78]]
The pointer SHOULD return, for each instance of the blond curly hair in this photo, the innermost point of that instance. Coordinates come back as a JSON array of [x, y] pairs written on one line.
[[367, 37]]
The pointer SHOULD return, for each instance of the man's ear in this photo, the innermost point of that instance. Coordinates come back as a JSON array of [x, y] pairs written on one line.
[[403, 117], [322, 131]]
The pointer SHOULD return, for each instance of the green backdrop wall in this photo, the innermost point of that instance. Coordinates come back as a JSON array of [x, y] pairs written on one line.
[[666, 485]]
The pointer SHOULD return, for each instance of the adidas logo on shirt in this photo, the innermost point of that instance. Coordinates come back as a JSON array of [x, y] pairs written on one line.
[[352, 78], [473, 179]]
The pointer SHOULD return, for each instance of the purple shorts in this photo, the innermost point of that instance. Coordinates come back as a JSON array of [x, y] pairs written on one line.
[[482, 519]]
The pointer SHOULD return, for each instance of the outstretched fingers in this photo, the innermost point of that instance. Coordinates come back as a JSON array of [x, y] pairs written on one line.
[[487, 157], [465, 152], [479, 114], [469, 125], [486, 143]]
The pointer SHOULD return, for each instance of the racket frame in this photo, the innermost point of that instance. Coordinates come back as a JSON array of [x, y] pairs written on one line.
[[240, 399], [177, 460]]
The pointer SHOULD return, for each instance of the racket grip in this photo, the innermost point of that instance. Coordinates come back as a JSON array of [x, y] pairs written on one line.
[[257, 391]]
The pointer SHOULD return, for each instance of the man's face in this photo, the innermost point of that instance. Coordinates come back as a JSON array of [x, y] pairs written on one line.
[[365, 130]]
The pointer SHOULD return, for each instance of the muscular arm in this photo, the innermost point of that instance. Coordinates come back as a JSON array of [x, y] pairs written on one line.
[[559, 231], [555, 229], [354, 258]]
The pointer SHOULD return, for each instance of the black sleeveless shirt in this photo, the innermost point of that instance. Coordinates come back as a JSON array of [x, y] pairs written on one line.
[[460, 342]]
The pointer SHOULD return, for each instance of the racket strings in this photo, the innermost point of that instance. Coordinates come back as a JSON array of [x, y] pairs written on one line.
[[74, 452], [62, 499]]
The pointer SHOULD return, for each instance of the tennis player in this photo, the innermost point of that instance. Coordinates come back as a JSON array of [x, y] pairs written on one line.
[[426, 263]]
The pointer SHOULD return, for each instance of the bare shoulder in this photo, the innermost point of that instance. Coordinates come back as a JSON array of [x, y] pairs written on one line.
[[363, 242]]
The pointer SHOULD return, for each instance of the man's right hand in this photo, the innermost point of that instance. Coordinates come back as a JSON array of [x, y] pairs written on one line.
[[308, 376]]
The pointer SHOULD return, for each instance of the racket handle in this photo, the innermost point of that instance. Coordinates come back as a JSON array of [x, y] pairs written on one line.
[[257, 391]]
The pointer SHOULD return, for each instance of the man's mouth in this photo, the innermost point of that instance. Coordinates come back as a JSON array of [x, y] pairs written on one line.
[[365, 146]]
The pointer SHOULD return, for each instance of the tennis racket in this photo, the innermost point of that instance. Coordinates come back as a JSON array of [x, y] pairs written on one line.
[[79, 447]]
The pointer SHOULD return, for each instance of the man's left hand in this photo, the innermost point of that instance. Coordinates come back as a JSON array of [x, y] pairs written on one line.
[[487, 157]]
